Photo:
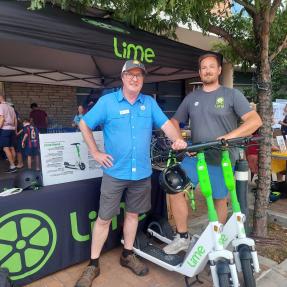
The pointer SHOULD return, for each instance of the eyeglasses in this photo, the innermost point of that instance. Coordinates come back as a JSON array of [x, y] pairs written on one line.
[[132, 76]]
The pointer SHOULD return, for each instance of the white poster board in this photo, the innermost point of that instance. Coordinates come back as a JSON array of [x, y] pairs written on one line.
[[281, 143], [65, 157], [278, 113]]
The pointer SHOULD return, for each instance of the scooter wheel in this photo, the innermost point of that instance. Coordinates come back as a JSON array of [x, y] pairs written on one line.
[[224, 280], [141, 240], [82, 166], [247, 271], [223, 273], [162, 227]]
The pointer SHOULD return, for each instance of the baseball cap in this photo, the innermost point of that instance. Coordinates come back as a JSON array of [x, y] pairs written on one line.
[[131, 64]]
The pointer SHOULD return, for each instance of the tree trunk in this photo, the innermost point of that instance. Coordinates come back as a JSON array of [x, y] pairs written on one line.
[[266, 112], [264, 173]]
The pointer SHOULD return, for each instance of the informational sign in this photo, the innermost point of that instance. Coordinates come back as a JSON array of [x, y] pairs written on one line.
[[65, 157], [281, 143], [278, 113]]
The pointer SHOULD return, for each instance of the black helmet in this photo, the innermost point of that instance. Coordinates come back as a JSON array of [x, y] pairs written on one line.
[[28, 179], [173, 179]]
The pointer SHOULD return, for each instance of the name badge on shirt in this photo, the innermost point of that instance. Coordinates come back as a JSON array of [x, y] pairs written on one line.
[[124, 112]]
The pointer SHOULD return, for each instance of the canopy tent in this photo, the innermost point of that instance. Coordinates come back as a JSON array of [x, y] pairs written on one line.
[[57, 47]]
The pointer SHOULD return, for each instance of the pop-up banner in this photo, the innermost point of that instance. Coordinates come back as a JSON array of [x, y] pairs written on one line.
[[65, 157]]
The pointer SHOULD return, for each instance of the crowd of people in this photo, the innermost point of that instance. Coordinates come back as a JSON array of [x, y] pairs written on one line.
[[19, 138]]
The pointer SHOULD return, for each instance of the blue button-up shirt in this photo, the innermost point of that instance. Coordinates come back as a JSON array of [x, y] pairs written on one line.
[[127, 132]]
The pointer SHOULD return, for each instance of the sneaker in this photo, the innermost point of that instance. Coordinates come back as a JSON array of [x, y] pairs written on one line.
[[11, 170], [179, 244], [133, 263], [87, 277]]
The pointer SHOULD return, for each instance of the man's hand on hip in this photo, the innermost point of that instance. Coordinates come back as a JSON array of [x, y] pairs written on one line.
[[103, 159]]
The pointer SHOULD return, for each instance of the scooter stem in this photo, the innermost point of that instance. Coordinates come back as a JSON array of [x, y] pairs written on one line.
[[229, 180], [205, 186]]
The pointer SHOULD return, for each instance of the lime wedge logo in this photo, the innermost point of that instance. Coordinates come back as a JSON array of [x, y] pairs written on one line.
[[27, 240]]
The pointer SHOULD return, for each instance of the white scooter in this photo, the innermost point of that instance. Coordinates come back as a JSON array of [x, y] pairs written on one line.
[[210, 246], [244, 251]]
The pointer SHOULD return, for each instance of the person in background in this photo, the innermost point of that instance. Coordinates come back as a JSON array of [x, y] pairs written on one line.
[[214, 112], [78, 117], [30, 144], [39, 118], [17, 138], [283, 123], [127, 117], [8, 125]]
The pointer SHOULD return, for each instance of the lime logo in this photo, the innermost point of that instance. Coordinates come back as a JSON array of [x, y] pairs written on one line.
[[105, 26], [132, 51], [219, 103], [223, 238], [27, 240], [196, 256], [92, 215]]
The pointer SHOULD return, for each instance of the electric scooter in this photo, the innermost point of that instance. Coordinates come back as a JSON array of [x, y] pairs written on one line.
[[210, 244], [78, 164], [234, 231]]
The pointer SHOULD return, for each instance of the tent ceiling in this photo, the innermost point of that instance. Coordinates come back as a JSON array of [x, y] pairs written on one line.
[[57, 47]]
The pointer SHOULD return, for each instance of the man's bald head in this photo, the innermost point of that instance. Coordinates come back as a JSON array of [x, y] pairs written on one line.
[[2, 98]]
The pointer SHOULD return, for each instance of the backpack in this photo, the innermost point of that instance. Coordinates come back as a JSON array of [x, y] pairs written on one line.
[[4, 278]]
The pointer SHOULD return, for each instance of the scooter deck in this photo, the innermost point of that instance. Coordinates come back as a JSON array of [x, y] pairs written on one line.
[[154, 251]]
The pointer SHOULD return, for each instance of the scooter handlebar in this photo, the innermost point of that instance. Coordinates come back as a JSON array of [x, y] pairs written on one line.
[[223, 143]]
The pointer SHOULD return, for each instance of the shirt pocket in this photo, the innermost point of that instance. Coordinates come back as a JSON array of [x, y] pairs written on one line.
[[144, 119], [118, 121]]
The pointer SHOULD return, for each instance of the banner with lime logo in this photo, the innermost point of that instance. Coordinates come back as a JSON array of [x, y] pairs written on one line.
[[44, 231]]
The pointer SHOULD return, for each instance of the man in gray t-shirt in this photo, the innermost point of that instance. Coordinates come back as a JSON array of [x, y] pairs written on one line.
[[214, 113]]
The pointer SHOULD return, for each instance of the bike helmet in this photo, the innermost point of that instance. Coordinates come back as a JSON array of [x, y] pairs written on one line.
[[28, 179], [173, 179]]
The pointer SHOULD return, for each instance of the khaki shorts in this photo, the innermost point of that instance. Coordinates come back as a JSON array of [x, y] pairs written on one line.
[[137, 196]]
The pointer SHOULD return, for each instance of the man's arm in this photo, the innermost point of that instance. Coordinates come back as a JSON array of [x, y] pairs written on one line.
[[251, 122], [102, 158], [174, 135]]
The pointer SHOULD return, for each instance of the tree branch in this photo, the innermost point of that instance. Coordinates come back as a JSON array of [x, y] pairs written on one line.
[[248, 7], [248, 55], [274, 7], [279, 49]]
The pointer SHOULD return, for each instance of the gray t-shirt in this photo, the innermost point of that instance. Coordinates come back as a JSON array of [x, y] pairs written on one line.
[[213, 114]]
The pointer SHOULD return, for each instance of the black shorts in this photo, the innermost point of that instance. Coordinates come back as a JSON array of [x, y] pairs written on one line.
[[6, 138]]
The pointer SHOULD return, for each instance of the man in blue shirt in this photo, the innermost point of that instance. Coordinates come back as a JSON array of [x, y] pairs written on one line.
[[127, 117]]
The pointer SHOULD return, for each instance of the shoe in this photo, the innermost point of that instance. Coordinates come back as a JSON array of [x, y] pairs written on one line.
[[19, 166], [179, 244], [11, 170], [87, 277], [133, 263]]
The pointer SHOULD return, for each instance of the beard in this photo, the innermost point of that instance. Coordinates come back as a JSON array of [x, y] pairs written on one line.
[[209, 79]]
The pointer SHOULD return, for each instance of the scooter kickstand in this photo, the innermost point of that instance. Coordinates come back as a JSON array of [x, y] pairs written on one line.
[[193, 282]]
